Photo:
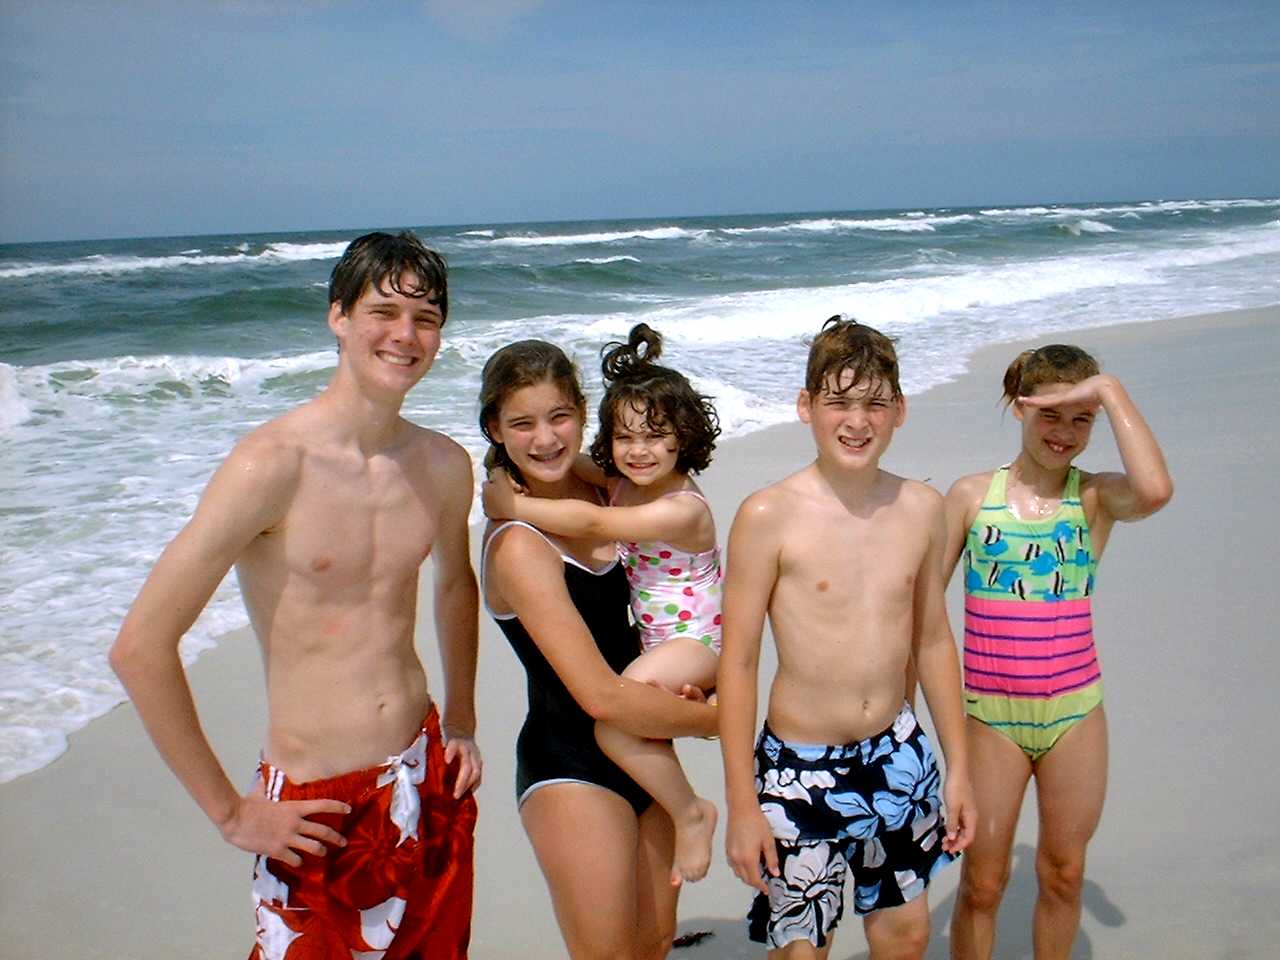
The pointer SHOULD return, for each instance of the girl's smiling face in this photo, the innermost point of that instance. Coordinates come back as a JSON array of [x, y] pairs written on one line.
[[541, 429], [1055, 435], [644, 452]]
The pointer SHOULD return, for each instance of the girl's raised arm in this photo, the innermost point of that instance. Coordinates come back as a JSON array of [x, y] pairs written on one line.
[[1145, 486]]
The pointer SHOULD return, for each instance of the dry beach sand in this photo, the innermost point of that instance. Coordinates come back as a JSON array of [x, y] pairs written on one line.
[[102, 855]]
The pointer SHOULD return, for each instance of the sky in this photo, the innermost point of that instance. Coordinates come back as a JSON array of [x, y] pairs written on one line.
[[185, 117]]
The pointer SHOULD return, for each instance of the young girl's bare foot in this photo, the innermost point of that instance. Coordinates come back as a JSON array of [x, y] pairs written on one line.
[[694, 834]]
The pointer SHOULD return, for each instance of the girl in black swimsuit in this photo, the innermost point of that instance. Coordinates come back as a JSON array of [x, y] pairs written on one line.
[[603, 847], [557, 742]]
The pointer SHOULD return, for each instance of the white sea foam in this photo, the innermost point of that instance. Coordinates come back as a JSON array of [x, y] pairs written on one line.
[[1151, 206], [912, 223], [114, 452], [790, 313], [304, 251], [916, 301], [1015, 211], [476, 233], [741, 409], [612, 236], [112, 377], [106, 265], [624, 258], [13, 408], [1078, 227]]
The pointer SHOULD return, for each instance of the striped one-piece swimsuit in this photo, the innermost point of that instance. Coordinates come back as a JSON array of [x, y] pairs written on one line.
[[1030, 667]]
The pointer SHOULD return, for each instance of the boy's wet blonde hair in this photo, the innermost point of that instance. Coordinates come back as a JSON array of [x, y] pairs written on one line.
[[845, 344], [1054, 363]]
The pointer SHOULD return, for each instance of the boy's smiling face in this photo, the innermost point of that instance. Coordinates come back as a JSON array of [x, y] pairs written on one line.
[[852, 423], [389, 339]]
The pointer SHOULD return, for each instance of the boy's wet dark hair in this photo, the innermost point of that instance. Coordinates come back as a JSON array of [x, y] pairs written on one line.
[[381, 260], [1054, 363], [513, 367], [667, 399], [845, 344]]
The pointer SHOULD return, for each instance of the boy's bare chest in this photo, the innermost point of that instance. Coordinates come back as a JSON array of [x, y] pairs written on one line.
[[833, 564], [346, 527]]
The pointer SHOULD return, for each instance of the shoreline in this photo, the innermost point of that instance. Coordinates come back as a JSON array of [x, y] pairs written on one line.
[[83, 835]]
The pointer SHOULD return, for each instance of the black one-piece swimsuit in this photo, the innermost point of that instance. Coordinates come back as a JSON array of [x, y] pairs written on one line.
[[557, 742]]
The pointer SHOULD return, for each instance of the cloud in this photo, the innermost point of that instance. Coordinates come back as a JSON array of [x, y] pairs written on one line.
[[480, 19]]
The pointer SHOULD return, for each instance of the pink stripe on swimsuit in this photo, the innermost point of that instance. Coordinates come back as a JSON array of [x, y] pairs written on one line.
[[1023, 648]]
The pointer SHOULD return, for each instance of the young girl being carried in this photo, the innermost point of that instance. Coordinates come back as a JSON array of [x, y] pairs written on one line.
[[1028, 538], [655, 431]]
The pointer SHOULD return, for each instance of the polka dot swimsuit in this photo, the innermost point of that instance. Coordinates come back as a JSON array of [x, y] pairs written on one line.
[[674, 593]]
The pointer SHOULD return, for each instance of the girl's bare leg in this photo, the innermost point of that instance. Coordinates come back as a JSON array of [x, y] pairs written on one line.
[[656, 897], [586, 839], [1071, 782], [653, 763], [1000, 772]]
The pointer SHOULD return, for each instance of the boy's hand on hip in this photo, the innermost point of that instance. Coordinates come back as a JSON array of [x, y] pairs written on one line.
[[279, 829], [749, 843]]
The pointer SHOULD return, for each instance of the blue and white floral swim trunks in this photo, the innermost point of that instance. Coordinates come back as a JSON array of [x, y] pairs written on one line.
[[873, 804]]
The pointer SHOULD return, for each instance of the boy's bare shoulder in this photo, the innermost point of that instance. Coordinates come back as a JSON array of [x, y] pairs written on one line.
[[273, 451], [918, 495], [779, 498], [440, 447]]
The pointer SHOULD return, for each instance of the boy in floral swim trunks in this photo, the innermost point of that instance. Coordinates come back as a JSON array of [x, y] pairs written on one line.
[[362, 816], [846, 561]]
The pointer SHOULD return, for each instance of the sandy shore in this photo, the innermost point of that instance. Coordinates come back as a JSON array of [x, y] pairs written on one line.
[[103, 855]]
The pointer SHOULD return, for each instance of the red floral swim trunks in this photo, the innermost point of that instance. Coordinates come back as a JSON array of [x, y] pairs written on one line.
[[399, 890]]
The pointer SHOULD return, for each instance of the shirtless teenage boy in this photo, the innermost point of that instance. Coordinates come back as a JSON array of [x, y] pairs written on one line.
[[846, 560], [327, 513]]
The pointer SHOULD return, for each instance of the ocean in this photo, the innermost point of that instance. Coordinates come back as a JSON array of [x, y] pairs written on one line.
[[129, 367]]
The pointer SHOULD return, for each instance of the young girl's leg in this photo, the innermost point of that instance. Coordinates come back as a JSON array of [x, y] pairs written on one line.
[[1071, 781], [586, 839], [656, 897], [1000, 773], [653, 763]]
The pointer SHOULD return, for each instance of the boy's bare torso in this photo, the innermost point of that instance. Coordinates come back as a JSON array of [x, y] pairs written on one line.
[[331, 590], [843, 605]]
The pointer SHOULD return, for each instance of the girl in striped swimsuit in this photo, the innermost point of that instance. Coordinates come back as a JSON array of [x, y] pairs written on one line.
[[1028, 537]]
